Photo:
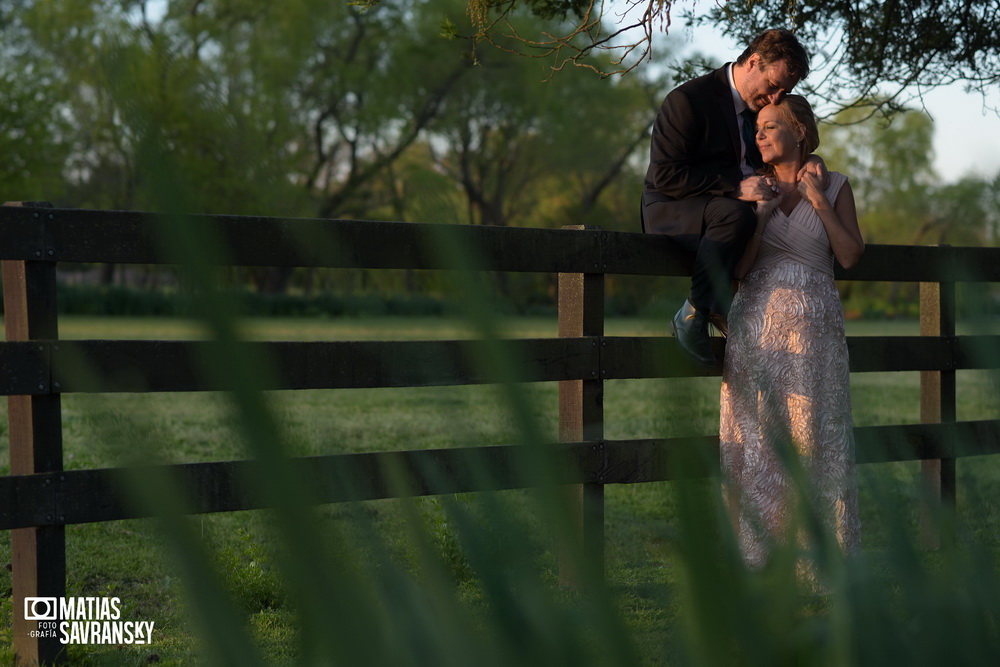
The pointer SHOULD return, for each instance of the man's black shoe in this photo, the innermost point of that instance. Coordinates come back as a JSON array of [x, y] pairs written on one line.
[[691, 330]]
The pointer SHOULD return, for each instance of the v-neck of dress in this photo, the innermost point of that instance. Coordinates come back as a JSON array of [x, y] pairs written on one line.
[[794, 208]]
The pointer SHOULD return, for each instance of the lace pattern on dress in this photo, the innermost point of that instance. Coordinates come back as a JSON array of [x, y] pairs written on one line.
[[786, 387]]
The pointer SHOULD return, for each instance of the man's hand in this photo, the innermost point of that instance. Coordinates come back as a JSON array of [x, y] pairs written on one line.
[[756, 188]]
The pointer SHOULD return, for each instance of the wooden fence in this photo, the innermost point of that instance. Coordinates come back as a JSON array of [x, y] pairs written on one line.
[[41, 497]]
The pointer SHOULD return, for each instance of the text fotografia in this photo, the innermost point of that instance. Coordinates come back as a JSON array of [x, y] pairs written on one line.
[[85, 620]]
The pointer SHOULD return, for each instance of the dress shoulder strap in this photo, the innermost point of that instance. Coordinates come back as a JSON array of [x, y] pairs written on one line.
[[837, 181]]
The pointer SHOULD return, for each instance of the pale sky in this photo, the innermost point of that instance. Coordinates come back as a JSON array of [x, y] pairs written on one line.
[[966, 135]]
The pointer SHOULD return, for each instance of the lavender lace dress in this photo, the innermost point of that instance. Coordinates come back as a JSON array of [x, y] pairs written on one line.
[[786, 380]]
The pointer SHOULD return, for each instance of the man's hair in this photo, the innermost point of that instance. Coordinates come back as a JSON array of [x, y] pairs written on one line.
[[776, 44]]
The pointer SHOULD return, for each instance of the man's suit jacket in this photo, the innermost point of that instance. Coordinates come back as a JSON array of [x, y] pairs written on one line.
[[694, 155]]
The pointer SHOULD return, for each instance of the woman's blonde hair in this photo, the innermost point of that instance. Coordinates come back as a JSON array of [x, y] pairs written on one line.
[[797, 112]]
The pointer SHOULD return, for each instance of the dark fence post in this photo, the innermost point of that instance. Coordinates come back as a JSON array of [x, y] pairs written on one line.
[[581, 413], [937, 404], [38, 555]]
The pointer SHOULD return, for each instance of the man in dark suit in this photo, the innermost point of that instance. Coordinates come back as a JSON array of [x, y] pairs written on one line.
[[700, 185]]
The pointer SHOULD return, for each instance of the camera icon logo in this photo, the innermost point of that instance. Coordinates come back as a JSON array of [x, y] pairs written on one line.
[[41, 609]]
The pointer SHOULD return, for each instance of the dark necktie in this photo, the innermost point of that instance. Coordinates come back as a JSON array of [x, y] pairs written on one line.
[[749, 132]]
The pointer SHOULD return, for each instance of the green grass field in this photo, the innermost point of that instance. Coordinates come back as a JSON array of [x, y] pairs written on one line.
[[474, 577]]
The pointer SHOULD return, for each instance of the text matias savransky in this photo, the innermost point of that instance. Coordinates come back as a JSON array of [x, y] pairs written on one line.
[[85, 620]]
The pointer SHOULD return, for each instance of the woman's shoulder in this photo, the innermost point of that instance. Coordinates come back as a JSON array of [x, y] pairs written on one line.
[[835, 183]]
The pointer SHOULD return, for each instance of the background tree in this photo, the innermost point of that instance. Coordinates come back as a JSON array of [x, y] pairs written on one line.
[[36, 136], [367, 90], [519, 143], [900, 198], [318, 108], [131, 83], [527, 149], [870, 53], [879, 55], [890, 167]]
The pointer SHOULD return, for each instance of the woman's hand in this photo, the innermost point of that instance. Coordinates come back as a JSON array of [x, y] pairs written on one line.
[[815, 165], [811, 187], [765, 208]]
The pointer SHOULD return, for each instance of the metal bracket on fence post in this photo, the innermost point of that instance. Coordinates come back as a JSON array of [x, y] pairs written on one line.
[[581, 412], [38, 555], [937, 404]]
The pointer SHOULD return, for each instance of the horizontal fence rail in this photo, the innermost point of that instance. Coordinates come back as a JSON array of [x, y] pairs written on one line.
[[88, 496], [39, 498], [103, 366], [127, 237]]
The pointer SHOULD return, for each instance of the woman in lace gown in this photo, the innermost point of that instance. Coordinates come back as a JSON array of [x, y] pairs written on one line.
[[786, 386]]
